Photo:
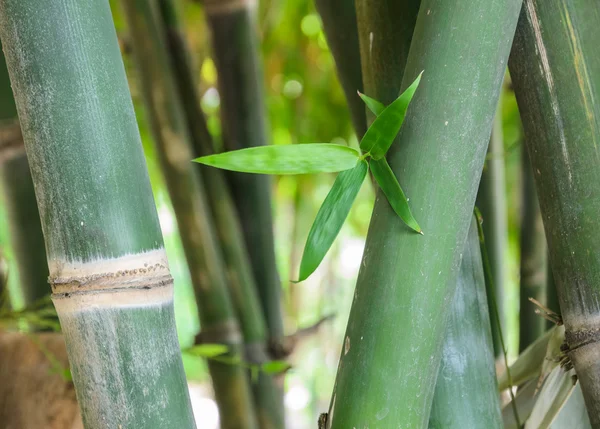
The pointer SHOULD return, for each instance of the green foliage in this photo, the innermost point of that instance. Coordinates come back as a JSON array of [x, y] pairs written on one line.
[[388, 183], [381, 134], [208, 350], [331, 217], [321, 158], [286, 159]]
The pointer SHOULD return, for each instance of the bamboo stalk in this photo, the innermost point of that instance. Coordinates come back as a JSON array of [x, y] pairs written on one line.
[[533, 260], [491, 201], [108, 270], [466, 392], [26, 234], [394, 336], [240, 81], [267, 391], [341, 30], [217, 315], [556, 73]]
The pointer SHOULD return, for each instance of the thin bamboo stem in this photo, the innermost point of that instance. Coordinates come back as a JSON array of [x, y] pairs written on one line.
[[217, 315]]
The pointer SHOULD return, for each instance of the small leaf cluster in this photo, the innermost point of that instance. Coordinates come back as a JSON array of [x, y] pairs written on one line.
[[352, 166], [221, 353]]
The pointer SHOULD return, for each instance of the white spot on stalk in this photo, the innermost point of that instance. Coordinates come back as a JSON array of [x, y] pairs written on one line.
[[370, 42]]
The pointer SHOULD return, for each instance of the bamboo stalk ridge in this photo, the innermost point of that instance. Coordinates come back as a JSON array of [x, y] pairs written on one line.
[[555, 69], [396, 326], [108, 269], [267, 389], [533, 260], [240, 81], [203, 253], [466, 392], [491, 201]]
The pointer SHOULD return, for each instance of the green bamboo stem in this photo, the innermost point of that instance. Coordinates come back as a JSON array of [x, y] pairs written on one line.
[[491, 201], [551, 295], [108, 270], [394, 336], [466, 392], [237, 59], [555, 69], [339, 24], [533, 260], [26, 234], [172, 140]]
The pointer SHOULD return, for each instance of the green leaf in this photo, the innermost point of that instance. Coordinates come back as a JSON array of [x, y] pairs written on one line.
[[286, 159], [331, 217], [382, 132], [208, 350], [374, 106], [275, 367], [391, 188]]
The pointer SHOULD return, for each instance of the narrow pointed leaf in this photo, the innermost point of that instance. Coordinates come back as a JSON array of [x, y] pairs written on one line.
[[391, 188], [208, 350], [574, 414], [286, 159], [331, 217], [550, 400], [374, 106], [275, 367], [382, 132], [525, 401]]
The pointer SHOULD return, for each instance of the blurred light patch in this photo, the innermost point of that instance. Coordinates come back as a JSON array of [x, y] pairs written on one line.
[[208, 71], [282, 136], [205, 409], [211, 99], [292, 89], [297, 398], [311, 25], [350, 257], [166, 219]]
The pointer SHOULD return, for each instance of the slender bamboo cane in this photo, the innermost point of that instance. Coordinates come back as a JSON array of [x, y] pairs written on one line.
[[108, 269], [267, 391], [394, 336], [466, 392], [491, 201], [237, 59], [26, 234], [217, 316], [551, 295], [533, 260], [555, 69], [339, 23]]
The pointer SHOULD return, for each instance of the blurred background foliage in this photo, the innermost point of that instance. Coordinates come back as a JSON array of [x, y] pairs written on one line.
[[305, 104]]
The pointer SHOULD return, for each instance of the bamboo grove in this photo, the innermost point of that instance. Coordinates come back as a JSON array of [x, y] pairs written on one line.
[[473, 301]]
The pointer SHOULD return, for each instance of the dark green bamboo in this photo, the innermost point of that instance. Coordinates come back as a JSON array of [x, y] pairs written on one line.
[[533, 260], [268, 393], [341, 30], [466, 392], [491, 201], [555, 69], [395, 330], [243, 119], [26, 235], [109, 274], [217, 316]]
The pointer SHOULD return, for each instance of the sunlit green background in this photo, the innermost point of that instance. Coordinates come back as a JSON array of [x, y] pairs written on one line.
[[305, 104]]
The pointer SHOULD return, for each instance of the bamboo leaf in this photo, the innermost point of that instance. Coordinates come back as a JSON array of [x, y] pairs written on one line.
[[525, 401], [550, 400], [391, 188], [331, 217], [275, 367], [382, 132], [574, 414], [376, 107], [286, 159], [208, 350]]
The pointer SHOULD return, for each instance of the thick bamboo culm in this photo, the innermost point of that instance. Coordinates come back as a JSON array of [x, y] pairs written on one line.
[[396, 324], [108, 269], [555, 69]]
